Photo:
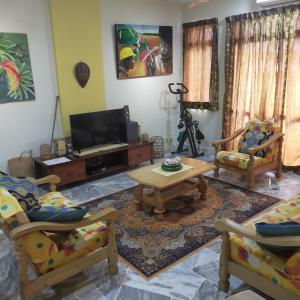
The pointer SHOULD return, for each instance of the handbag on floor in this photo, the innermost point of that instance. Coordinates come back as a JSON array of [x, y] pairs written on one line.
[[22, 165]]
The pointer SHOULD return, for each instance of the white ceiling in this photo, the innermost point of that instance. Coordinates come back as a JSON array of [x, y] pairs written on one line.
[[182, 1]]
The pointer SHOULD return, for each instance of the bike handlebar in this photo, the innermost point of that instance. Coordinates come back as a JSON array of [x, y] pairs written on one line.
[[183, 90]]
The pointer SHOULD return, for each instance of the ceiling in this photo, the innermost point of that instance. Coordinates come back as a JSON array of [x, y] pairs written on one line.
[[185, 1], [182, 1]]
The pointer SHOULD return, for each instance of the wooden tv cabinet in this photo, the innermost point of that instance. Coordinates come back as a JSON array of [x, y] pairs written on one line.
[[98, 164]]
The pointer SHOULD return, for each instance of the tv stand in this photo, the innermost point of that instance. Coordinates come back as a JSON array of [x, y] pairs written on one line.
[[97, 163], [84, 152]]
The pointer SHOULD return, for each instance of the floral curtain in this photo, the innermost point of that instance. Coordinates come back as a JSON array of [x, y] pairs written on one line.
[[200, 64], [262, 74]]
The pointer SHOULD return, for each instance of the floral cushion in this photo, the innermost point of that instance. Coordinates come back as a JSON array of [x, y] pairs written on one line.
[[55, 199], [240, 160], [257, 133], [23, 189], [282, 269], [49, 251]]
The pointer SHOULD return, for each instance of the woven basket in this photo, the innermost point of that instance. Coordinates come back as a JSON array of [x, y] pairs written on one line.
[[22, 165]]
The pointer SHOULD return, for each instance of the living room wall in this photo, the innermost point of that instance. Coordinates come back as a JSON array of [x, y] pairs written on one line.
[[143, 95], [77, 37], [211, 122], [26, 125]]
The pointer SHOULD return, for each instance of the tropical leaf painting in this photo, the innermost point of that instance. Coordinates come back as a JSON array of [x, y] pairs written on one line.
[[16, 82]]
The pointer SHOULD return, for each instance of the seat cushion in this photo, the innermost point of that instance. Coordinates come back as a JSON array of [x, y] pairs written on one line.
[[282, 269], [240, 160], [49, 251], [81, 241]]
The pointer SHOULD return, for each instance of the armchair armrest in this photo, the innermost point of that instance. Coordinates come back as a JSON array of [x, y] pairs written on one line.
[[53, 180], [217, 143], [270, 141], [108, 214], [226, 225]]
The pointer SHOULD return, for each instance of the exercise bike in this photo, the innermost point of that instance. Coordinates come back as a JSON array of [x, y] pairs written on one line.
[[189, 127]]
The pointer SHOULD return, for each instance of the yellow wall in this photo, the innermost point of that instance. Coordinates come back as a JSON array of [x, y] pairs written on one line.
[[77, 37]]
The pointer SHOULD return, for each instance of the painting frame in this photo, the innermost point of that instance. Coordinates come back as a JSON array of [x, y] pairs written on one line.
[[16, 77], [143, 50]]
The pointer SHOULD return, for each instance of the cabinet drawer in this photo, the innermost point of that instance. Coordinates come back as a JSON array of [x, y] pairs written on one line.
[[139, 155], [70, 172]]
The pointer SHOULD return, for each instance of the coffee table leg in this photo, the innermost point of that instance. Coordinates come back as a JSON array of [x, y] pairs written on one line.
[[159, 209], [138, 195], [202, 186]]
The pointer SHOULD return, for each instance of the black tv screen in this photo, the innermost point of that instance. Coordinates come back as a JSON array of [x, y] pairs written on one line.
[[97, 128]]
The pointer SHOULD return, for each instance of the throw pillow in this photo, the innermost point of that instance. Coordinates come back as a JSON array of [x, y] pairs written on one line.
[[280, 229], [57, 214], [22, 188], [253, 138]]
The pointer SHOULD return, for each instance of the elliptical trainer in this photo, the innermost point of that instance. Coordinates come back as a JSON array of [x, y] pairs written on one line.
[[186, 120]]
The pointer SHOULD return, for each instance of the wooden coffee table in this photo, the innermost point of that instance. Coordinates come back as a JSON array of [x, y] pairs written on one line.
[[168, 187]]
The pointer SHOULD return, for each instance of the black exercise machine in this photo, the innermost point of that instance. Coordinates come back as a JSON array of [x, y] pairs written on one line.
[[191, 130]]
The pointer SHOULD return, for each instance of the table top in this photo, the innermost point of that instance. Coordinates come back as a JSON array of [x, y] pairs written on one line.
[[147, 177]]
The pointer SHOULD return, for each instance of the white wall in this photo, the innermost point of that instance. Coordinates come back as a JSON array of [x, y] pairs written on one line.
[[211, 122], [143, 95], [26, 125]]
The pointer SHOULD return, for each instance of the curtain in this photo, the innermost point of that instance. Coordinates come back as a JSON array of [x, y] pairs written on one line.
[[262, 74], [200, 64]]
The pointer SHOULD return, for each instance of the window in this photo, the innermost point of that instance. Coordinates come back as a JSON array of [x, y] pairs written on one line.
[[200, 64]]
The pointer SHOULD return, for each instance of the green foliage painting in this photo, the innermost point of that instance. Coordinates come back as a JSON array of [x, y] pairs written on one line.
[[16, 82]]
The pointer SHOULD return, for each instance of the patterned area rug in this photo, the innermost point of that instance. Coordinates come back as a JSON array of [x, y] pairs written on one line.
[[149, 246]]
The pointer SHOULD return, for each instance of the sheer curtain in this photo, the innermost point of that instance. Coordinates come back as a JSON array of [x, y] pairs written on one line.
[[200, 64], [262, 74]]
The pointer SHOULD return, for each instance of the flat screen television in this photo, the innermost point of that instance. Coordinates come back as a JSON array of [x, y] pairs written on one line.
[[97, 128]]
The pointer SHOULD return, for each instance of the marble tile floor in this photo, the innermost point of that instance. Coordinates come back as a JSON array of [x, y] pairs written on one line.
[[194, 278]]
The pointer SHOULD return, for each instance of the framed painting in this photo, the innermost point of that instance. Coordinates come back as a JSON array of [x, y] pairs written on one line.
[[143, 50], [16, 82]]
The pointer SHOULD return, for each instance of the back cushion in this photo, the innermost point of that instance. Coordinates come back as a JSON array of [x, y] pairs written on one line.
[[257, 133], [23, 189], [11, 212]]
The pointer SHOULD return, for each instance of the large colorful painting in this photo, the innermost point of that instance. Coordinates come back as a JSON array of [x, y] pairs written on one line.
[[143, 50], [16, 82]]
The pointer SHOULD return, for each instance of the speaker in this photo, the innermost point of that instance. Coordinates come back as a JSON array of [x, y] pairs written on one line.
[[126, 112], [131, 132]]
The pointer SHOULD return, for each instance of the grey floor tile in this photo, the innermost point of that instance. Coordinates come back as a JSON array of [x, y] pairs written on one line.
[[215, 246], [203, 256], [209, 271], [209, 291], [174, 283], [130, 293]]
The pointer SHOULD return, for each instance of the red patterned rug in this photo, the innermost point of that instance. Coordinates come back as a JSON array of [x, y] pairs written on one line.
[[150, 246]]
